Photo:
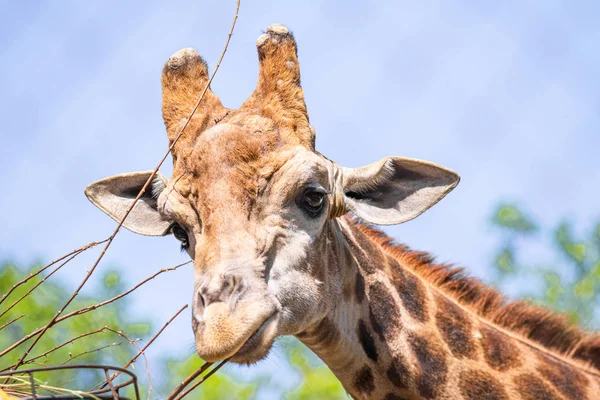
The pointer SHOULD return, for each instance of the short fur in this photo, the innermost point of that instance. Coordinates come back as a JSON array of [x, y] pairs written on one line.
[[552, 331]]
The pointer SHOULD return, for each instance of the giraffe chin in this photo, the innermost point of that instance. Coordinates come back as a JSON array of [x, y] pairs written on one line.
[[221, 338], [259, 344]]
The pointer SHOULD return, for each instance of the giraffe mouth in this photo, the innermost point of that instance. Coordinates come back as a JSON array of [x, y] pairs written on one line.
[[259, 343], [241, 333]]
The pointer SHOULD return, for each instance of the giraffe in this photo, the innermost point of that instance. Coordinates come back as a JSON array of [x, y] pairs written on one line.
[[283, 243]]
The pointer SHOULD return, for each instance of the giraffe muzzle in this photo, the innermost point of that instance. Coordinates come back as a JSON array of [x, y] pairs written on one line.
[[231, 317]]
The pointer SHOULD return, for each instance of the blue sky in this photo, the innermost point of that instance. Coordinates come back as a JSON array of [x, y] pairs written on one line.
[[505, 93]]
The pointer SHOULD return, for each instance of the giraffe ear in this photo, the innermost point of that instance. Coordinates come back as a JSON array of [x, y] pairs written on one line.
[[115, 194], [395, 189]]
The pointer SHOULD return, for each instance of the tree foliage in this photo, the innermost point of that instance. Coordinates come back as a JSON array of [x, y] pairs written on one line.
[[568, 278], [38, 307]]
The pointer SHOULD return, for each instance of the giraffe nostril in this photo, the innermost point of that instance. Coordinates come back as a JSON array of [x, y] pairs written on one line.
[[200, 301], [224, 288], [235, 281], [228, 284]]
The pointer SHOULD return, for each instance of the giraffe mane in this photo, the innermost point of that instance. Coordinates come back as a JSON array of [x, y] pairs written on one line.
[[541, 325]]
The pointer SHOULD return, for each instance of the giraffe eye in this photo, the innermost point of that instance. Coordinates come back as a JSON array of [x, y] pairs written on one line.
[[181, 235], [313, 201]]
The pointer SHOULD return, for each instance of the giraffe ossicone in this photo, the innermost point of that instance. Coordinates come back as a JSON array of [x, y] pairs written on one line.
[[281, 245]]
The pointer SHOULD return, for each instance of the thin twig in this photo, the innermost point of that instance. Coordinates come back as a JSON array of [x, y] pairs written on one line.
[[147, 365], [117, 297], [38, 284], [134, 359], [71, 358], [56, 318], [152, 339], [31, 275], [204, 378], [112, 388], [30, 360], [11, 321], [183, 384], [140, 351], [139, 195], [188, 380], [85, 310]]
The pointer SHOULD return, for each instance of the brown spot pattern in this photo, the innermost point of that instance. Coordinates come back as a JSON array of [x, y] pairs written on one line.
[[364, 382], [567, 380], [364, 262], [398, 372], [479, 385], [359, 288], [384, 313], [536, 323], [498, 352], [366, 340], [455, 328], [392, 396], [431, 359], [530, 387], [376, 254], [410, 290]]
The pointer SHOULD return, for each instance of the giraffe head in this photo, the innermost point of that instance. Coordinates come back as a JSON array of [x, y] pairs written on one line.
[[255, 205]]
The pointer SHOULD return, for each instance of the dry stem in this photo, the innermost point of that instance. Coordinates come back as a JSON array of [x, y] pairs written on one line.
[[83, 311], [141, 351], [204, 378], [71, 358], [39, 333], [32, 359], [188, 380], [11, 321], [38, 284], [31, 275]]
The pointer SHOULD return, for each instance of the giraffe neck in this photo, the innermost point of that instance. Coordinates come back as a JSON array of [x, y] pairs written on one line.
[[393, 335]]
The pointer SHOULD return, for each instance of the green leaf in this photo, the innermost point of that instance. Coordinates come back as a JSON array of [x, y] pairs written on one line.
[[585, 288], [505, 261], [510, 217], [554, 288], [111, 279], [576, 251], [595, 271]]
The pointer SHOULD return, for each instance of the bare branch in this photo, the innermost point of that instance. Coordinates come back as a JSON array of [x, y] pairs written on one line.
[[188, 380], [113, 299], [204, 378], [112, 388], [110, 239], [134, 359], [71, 358], [31, 275], [30, 360], [141, 351], [38, 284], [11, 321], [85, 310], [39, 333]]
